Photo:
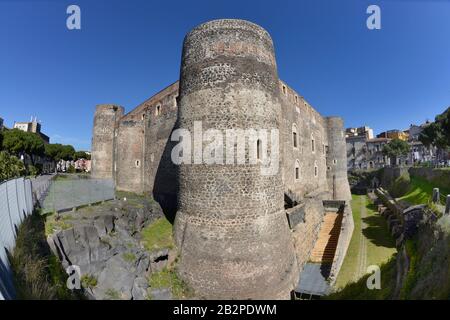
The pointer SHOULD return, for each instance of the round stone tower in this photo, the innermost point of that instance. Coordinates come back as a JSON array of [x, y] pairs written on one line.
[[337, 160], [103, 139], [231, 227]]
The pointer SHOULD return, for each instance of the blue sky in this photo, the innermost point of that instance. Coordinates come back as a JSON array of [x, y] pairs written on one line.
[[128, 50]]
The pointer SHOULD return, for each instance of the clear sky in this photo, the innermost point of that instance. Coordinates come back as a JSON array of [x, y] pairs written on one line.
[[128, 50]]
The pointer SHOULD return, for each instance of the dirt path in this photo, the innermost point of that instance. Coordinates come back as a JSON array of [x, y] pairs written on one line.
[[362, 253]]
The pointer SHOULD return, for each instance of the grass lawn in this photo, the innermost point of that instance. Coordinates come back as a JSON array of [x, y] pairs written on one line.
[[350, 265], [158, 235], [420, 191], [373, 240]]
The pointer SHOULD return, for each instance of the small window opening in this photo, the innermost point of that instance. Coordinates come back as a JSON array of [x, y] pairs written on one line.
[[258, 149]]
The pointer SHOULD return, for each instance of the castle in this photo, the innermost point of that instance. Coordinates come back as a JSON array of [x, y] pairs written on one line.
[[240, 234]]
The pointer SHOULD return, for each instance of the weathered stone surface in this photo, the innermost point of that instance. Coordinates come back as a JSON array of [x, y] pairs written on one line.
[[161, 294], [106, 246], [159, 260], [117, 276], [104, 224], [139, 290]]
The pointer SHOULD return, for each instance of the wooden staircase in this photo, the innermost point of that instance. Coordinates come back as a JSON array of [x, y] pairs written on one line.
[[325, 247]]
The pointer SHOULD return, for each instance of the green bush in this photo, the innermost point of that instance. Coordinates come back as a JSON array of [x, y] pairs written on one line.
[[71, 169], [10, 166], [32, 170]]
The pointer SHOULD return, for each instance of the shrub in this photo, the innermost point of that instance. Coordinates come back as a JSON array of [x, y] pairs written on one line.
[[32, 170], [71, 169], [10, 166], [88, 281]]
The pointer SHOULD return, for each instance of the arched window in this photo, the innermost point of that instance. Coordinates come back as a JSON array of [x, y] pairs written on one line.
[[158, 110], [138, 163], [297, 170], [294, 136]]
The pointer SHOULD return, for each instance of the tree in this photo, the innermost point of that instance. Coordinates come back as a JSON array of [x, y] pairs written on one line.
[[18, 142], [67, 152], [438, 132], [10, 166], [82, 155], [57, 151], [395, 149]]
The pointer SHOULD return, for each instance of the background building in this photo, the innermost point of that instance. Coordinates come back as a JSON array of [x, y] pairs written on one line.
[[394, 134], [32, 126], [365, 153]]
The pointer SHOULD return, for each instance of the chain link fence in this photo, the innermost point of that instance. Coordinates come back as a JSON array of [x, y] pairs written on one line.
[[68, 192]]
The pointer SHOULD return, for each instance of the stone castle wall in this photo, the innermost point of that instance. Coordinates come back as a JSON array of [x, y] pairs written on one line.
[[231, 226], [106, 120]]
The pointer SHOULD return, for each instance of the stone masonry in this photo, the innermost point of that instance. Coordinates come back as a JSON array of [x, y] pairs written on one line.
[[230, 227]]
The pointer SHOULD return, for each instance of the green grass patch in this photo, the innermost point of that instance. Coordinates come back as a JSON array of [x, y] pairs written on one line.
[[89, 281], [158, 235], [412, 276], [37, 273], [168, 278], [358, 290], [52, 224], [420, 191], [380, 245], [350, 264], [129, 257]]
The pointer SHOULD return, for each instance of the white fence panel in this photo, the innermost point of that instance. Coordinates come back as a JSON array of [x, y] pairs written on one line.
[[14, 211], [6, 225], [16, 201]]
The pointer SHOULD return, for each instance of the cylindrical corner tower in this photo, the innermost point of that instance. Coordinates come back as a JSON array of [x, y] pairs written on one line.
[[337, 160], [231, 228], [105, 123]]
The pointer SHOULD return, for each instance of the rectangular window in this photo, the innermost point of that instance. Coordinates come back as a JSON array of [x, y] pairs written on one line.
[[297, 173], [294, 137], [312, 145]]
